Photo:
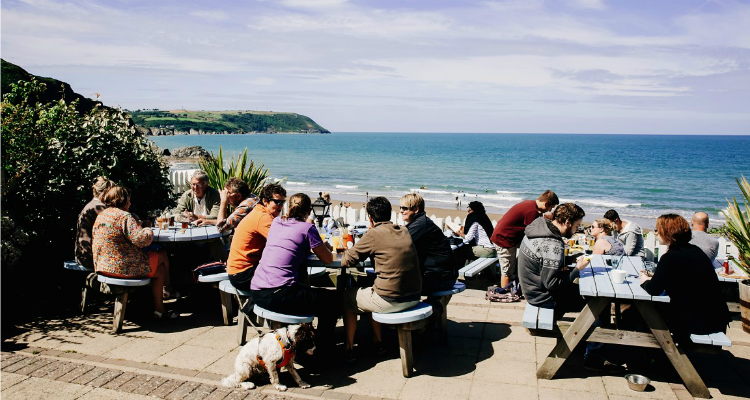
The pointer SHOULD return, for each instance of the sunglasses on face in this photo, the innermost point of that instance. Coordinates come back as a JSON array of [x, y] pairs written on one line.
[[404, 208], [278, 202]]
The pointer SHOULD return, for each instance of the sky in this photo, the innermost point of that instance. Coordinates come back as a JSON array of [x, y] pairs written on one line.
[[515, 66]]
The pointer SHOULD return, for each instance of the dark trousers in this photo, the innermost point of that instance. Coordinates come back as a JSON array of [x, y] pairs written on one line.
[[299, 299], [242, 280], [431, 284]]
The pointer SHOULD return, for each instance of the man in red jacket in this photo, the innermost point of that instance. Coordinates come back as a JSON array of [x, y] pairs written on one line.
[[508, 232]]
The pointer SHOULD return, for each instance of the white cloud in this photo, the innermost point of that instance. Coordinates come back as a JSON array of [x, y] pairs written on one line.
[[588, 4], [512, 57]]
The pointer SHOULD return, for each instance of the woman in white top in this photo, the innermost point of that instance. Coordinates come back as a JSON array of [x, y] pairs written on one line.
[[477, 230]]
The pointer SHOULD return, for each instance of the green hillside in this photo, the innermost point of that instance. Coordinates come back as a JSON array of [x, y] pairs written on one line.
[[161, 122], [55, 90]]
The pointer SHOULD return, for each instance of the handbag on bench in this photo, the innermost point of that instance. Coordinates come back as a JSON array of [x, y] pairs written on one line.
[[211, 268], [508, 294]]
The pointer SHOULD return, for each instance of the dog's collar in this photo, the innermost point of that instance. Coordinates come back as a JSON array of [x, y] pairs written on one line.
[[287, 350]]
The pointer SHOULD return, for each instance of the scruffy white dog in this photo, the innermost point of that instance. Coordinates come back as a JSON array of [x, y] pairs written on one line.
[[269, 353]]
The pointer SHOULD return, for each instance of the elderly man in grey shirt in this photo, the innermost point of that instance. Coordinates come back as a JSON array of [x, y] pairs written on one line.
[[709, 244]]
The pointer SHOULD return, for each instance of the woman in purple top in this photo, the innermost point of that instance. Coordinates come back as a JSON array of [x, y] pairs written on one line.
[[276, 286]]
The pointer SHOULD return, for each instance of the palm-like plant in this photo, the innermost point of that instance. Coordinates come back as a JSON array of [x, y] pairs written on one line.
[[737, 229], [254, 175]]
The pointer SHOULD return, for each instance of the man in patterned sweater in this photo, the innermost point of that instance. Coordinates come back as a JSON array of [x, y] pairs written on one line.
[[547, 282]]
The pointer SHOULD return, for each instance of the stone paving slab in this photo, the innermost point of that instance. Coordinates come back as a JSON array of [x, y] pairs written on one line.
[[488, 355]]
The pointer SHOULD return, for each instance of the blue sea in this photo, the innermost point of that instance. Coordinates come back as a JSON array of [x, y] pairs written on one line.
[[640, 176]]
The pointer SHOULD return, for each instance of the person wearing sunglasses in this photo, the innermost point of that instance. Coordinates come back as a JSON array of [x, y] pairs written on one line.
[[436, 260], [251, 235]]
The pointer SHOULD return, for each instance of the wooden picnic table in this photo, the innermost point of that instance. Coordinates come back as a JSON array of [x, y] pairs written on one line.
[[737, 276], [595, 283], [191, 234], [342, 273]]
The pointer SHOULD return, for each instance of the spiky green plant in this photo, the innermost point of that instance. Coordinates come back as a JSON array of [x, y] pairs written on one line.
[[737, 229], [254, 175]]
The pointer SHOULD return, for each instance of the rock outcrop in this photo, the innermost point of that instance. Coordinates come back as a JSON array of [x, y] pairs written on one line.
[[190, 152]]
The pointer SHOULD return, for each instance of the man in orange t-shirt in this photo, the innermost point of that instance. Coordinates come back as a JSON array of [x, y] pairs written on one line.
[[251, 234]]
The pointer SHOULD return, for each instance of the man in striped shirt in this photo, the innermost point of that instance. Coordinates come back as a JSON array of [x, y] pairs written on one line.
[[237, 194]]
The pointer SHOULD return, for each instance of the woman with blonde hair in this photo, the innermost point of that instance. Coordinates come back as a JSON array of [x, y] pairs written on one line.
[[681, 270], [276, 285], [119, 239], [602, 230], [86, 219]]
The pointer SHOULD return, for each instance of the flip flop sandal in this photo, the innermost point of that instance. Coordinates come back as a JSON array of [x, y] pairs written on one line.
[[166, 315]]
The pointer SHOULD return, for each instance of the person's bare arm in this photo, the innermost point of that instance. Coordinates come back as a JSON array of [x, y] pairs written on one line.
[[323, 253]]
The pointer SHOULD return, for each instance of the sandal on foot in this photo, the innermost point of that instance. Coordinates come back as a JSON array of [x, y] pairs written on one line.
[[170, 295], [166, 315]]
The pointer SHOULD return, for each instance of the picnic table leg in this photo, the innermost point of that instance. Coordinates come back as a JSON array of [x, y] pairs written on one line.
[[121, 301], [226, 307], [676, 356], [567, 342], [404, 344]]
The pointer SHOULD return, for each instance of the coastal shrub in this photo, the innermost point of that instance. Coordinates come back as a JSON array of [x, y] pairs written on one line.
[[254, 175], [13, 240], [737, 229], [50, 157]]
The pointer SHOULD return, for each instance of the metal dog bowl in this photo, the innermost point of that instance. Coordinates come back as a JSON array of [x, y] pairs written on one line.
[[637, 382]]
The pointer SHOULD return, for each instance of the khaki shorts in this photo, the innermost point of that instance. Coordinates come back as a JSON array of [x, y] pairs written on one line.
[[506, 257], [364, 300]]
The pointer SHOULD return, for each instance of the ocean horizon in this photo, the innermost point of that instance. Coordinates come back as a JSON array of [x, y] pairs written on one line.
[[640, 176]]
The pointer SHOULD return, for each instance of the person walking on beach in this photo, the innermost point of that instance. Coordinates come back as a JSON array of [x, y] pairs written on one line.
[[709, 244], [630, 234], [509, 231]]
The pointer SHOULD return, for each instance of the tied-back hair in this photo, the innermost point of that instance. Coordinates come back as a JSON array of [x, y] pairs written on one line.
[[117, 196], [612, 215], [299, 207], [101, 186], [412, 200], [568, 212], [673, 229], [606, 225]]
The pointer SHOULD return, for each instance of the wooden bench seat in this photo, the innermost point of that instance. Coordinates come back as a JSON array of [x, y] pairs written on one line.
[[714, 339], [441, 299], [405, 322], [538, 318], [121, 288], [476, 266], [88, 285]]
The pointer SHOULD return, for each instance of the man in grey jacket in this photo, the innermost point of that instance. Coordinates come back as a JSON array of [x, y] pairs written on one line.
[[547, 282], [629, 234], [709, 244]]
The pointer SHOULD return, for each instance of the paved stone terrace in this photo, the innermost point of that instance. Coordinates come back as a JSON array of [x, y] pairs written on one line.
[[488, 356]]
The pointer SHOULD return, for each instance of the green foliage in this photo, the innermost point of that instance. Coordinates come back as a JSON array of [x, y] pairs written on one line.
[[235, 122], [51, 155], [254, 175], [13, 239], [737, 229]]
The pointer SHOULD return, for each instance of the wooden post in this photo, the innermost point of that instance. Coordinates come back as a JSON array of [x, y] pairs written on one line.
[[676, 356], [227, 308], [443, 321], [241, 327], [577, 332], [121, 301], [404, 344]]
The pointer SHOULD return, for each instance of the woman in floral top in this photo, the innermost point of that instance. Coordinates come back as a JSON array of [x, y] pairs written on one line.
[[118, 239]]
